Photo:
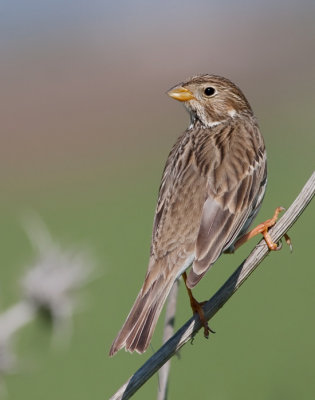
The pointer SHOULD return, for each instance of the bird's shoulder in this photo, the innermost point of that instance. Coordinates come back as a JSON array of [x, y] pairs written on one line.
[[229, 152]]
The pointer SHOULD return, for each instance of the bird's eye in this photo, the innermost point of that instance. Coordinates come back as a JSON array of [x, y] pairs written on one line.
[[209, 91]]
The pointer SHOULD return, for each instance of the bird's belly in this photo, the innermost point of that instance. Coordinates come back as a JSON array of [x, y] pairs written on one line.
[[189, 260]]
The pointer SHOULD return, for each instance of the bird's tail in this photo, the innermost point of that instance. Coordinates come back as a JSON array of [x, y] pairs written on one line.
[[137, 331]]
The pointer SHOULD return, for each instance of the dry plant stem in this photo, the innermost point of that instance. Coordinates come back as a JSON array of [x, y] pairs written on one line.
[[14, 318], [191, 327], [168, 332]]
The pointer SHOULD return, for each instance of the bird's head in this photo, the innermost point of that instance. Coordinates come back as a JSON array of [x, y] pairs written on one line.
[[211, 99]]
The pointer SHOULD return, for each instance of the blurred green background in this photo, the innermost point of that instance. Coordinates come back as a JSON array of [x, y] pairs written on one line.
[[85, 131]]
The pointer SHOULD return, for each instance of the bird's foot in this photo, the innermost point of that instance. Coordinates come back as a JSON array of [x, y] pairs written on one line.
[[197, 309], [263, 229]]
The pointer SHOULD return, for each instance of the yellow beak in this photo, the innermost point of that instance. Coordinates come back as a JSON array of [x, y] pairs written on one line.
[[181, 94]]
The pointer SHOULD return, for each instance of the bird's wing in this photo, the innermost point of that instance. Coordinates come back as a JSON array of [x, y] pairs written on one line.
[[178, 212], [235, 191]]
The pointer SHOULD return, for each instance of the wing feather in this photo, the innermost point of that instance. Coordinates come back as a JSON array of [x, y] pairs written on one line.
[[228, 212]]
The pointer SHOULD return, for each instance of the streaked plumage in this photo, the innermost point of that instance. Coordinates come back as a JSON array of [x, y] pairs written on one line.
[[212, 187]]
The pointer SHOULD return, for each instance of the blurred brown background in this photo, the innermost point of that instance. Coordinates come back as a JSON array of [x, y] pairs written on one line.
[[85, 130]]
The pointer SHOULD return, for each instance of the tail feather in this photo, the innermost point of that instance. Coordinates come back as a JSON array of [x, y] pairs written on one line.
[[137, 331], [140, 341]]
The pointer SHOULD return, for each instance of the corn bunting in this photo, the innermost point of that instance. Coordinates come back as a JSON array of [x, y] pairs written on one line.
[[211, 190]]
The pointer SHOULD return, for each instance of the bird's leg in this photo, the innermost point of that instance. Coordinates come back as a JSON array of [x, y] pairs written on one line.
[[197, 308], [263, 229]]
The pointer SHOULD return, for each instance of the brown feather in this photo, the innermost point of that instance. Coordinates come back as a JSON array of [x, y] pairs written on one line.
[[232, 197]]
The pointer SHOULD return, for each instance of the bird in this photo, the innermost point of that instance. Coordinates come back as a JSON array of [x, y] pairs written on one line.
[[211, 190]]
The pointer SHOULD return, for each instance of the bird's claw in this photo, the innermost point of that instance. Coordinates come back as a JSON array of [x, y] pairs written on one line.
[[288, 241], [207, 329], [279, 246], [211, 330]]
